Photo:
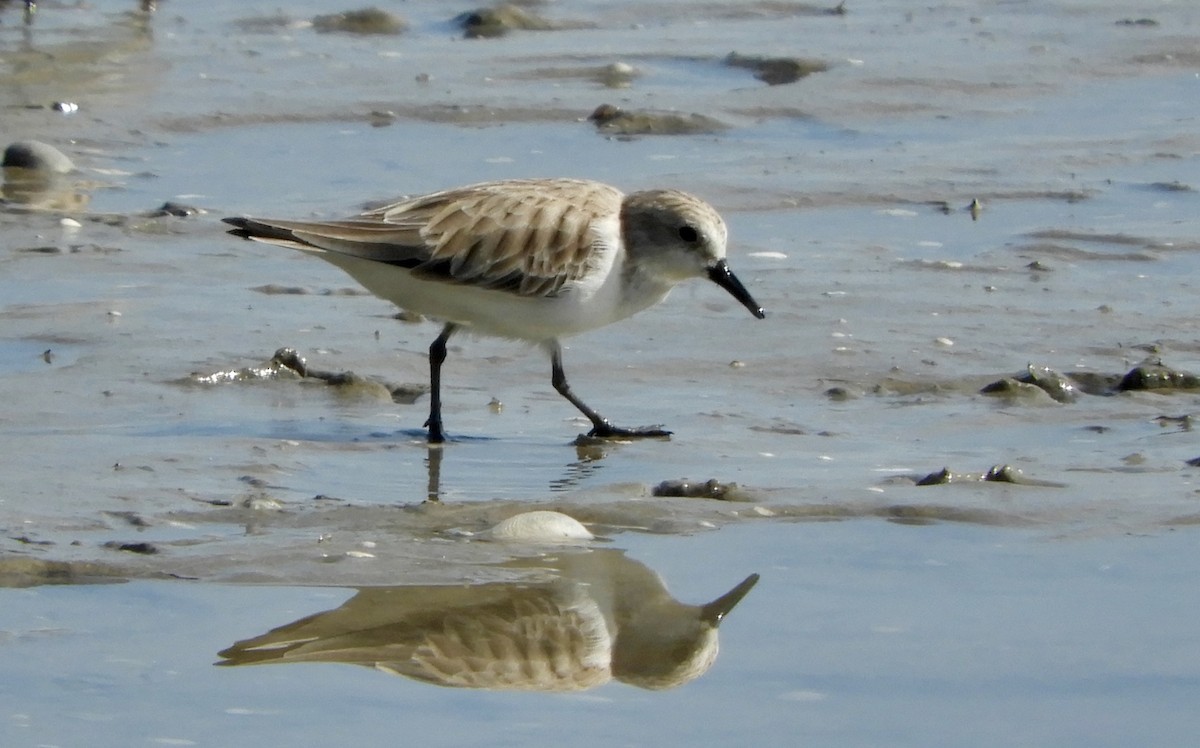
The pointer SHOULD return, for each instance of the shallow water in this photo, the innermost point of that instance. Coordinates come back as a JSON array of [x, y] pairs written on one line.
[[846, 194], [860, 633]]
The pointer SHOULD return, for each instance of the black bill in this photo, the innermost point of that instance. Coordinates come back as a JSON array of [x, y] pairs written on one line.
[[724, 277]]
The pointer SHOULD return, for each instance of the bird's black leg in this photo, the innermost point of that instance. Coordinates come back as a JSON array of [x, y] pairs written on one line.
[[601, 427], [437, 354]]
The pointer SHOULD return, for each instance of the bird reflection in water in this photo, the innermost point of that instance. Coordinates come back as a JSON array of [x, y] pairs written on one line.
[[603, 617]]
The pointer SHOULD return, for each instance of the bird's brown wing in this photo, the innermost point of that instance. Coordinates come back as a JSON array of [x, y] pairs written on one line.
[[528, 237]]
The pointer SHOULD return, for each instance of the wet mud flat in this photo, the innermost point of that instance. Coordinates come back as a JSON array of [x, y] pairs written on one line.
[[969, 224]]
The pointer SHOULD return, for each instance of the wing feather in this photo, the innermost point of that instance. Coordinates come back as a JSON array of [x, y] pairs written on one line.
[[528, 237]]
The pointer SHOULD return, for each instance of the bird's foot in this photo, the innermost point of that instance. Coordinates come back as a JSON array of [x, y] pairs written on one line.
[[609, 431], [436, 435]]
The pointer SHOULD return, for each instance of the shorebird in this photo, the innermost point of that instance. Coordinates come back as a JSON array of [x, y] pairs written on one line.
[[528, 259], [607, 617]]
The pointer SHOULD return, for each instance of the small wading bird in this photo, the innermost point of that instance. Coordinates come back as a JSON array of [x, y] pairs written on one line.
[[602, 617], [528, 259]]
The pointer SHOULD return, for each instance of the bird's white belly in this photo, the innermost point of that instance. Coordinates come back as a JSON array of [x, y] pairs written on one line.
[[578, 308]]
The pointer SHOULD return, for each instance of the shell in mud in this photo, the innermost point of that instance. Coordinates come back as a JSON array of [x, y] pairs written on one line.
[[540, 526]]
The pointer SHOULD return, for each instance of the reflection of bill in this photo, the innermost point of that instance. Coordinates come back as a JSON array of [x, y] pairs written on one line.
[[603, 617]]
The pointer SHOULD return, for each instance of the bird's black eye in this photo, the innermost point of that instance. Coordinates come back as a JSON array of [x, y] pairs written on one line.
[[689, 234]]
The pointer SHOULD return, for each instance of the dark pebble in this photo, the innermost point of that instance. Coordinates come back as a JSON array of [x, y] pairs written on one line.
[[146, 549], [936, 479]]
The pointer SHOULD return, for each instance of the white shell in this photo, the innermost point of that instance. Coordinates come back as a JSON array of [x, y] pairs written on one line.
[[539, 527]]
